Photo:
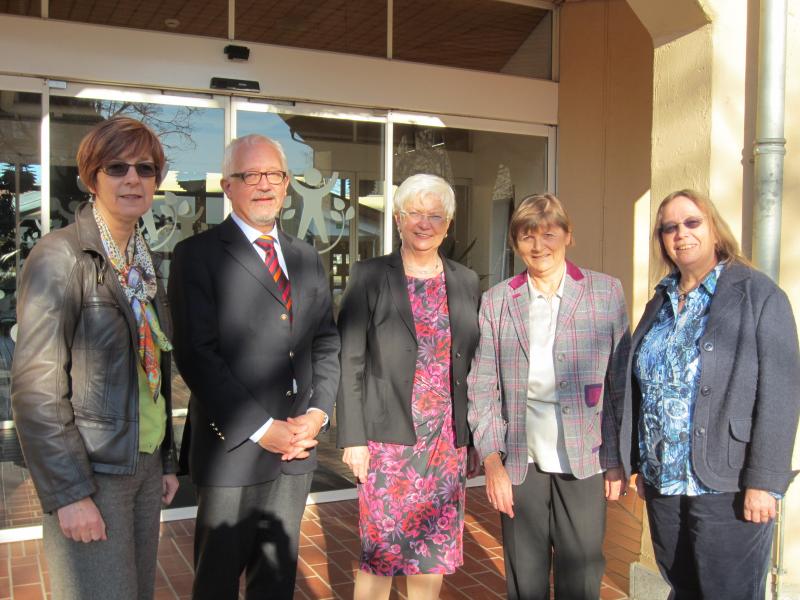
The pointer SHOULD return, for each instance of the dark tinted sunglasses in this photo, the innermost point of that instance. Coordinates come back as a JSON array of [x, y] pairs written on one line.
[[690, 223], [120, 169]]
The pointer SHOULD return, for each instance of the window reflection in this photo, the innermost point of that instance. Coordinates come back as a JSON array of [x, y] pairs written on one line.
[[20, 228], [490, 173]]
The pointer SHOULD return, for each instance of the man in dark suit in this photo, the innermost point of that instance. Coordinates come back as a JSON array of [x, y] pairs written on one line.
[[256, 343]]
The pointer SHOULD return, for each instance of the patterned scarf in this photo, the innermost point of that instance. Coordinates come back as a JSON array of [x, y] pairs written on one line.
[[137, 276]]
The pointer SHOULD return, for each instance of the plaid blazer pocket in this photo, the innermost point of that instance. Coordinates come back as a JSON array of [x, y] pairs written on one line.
[[592, 394]]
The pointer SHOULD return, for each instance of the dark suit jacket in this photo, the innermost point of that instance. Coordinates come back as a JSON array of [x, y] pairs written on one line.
[[745, 414], [379, 351], [238, 352]]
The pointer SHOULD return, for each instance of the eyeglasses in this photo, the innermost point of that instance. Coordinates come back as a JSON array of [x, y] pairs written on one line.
[[416, 217], [120, 169], [254, 177], [690, 223]]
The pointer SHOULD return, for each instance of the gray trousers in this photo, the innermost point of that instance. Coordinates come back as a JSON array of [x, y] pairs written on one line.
[[255, 529], [559, 516], [124, 566]]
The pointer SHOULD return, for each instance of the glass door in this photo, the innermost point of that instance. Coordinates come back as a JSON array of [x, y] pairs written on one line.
[[491, 165], [336, 198], [344, 166], [335, 202]]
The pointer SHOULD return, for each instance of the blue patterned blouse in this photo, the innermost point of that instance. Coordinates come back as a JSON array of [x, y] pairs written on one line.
[[667, 367]]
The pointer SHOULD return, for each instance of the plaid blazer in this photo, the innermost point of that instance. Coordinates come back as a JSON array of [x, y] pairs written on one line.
[[591, 347]]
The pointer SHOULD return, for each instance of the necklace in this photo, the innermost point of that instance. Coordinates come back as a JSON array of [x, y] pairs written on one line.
[[421, 270], [683, 293]]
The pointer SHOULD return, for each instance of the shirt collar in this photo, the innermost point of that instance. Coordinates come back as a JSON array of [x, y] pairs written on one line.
[[251, 233], [535, 292], [709, 283]]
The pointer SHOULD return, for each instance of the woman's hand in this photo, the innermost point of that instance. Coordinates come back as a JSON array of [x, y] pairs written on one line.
[[473, 462], [81, 521], [169, 487], [498, 485], [357, 458], [614, 483], [759, 506]]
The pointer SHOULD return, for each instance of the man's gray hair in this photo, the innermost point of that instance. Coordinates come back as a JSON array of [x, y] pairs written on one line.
[[250, 140]]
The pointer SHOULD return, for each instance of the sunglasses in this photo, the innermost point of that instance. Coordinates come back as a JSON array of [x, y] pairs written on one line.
[[690, 223], [120, 169]]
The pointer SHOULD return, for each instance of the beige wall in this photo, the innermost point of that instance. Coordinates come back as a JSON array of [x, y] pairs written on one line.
[[704, 107], [654, 97], [604, 113]]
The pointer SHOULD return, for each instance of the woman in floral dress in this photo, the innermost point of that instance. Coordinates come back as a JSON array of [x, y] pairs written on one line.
[[409, 329]]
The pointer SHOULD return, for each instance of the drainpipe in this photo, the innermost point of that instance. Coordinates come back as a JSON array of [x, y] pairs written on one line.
[[770, 145], [769, 150]]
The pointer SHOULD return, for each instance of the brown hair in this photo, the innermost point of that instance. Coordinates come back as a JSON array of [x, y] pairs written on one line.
[[725, 245], [115, 138], [538, 210]]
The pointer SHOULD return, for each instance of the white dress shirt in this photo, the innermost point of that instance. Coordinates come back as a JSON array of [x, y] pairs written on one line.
[[252, 234], [543, 426]]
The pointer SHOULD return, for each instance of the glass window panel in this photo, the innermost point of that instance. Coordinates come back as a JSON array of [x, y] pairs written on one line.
[[490, 174], [336, 203], [353, 26], [20, 227], [29, 8], [485, 35], [201, 17]]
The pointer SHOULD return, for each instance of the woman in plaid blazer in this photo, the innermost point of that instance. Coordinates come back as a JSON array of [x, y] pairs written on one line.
[[545, 392]]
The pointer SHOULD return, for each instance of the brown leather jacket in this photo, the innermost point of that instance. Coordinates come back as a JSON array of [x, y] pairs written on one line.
[[74, 388]]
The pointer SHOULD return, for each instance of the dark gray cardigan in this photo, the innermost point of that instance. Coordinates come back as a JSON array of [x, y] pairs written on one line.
[[748, 399]]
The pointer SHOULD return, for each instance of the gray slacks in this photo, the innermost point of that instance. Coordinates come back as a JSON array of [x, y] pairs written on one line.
[[559, 516], [124, 566], [255, 529]]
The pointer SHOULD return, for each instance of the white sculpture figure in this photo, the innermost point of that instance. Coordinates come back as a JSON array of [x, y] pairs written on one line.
[[312, 194]]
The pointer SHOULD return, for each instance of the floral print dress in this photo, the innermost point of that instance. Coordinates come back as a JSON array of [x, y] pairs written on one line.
[[412, 504]]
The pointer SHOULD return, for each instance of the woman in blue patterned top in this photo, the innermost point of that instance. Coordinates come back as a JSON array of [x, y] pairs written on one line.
[[711, 412]]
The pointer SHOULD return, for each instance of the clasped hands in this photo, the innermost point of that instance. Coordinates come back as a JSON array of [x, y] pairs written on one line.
[[294, 437]]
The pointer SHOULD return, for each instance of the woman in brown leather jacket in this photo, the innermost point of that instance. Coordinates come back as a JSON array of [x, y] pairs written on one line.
[[91, 378]]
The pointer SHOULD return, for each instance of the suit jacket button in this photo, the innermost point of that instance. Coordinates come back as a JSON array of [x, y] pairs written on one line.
[[708, 347], [561, 357], [284, 316], [288, 393], [700, 431], [291, 353], [565, 410], [563, 385], [458, 382], [705, 390], [458, 354]]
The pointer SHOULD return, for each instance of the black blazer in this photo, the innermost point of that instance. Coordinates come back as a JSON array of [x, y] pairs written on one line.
[[746, 410], [379, 351], [238, 351]]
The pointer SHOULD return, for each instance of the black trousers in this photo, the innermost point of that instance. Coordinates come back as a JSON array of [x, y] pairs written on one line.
[[705, 549], [255, 529], [561, 517]]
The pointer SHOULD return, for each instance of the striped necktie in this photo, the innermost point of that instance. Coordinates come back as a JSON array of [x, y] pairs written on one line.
[[267, 243]]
